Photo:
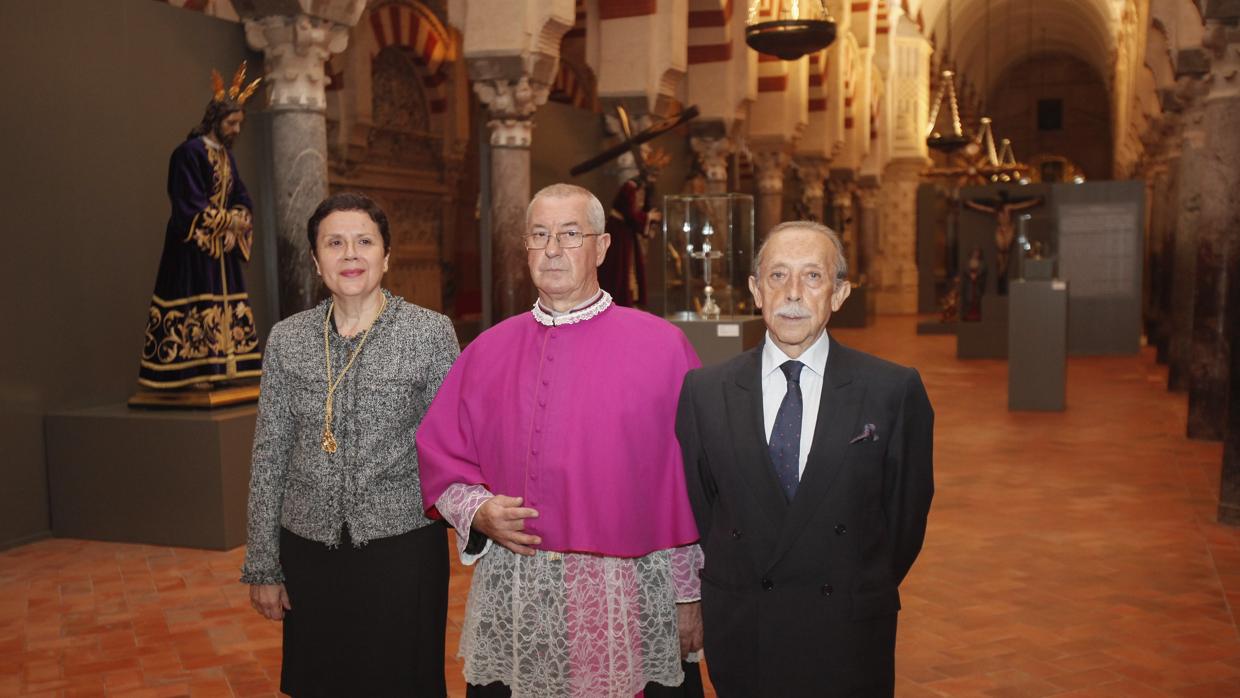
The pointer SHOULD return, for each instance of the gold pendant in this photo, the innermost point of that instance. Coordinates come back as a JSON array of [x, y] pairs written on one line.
[[329, 441]]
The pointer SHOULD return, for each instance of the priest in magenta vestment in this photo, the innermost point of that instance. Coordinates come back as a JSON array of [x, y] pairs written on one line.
[[551, 449]]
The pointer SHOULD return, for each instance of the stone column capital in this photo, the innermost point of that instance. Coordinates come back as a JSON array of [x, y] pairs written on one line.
[[712, 154], [770, 166], [346, 12], [1223, 41], [812, 174], [843, 198], [1194, 131], [296, 49], [511, 104], [868, 197], [813, 167]]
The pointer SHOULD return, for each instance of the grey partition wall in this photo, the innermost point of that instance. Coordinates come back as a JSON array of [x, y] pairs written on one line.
[[1100, 255], [987, 337]]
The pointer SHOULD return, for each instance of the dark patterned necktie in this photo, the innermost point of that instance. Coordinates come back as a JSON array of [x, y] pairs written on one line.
[[785, 441]]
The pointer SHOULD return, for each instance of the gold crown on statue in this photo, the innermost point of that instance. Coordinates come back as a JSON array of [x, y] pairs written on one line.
[[234, 92]]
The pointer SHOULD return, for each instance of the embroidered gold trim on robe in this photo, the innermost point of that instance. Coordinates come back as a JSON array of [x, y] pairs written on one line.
[[210, 227], [199, 379], [175, 336]]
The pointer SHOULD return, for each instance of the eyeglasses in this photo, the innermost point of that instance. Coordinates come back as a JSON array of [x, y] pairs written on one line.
[[567, 240]]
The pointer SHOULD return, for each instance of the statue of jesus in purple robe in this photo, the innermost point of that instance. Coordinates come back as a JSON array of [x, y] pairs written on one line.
[[200, 325]]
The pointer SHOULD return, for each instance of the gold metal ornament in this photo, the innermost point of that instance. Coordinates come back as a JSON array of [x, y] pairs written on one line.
[[329, 438], [236, 92]]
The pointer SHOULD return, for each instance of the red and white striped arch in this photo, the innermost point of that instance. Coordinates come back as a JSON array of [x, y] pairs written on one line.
[[414, 28], [862, 21], [575, 83], [710, 31], [883, 22], [851, 59], [819, 90], [772, 72]]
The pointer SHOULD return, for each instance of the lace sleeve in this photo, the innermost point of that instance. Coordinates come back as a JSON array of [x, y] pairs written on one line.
[[686, 561], [458, 504]]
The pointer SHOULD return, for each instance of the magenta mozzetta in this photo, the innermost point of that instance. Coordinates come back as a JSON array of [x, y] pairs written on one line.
[[540, 432]]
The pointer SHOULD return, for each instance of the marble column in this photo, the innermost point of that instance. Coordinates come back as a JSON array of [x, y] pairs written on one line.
[[1219, 253], [1229, 481], [1161, 244], [712, 155], [1184, 262], [895, 268], [511, 104], [770, 167], [1217, 223], [846, 226], [296, 50], [867, 227], [812, 175]]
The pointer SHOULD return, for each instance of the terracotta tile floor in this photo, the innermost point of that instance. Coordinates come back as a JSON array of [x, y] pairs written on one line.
[[1069, 554]]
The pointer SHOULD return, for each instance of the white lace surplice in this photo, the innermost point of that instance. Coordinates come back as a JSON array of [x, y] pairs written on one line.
[[570, 624]]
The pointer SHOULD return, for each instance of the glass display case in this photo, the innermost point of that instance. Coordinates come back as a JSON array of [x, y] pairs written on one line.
[[708, 245], [1035, 251]]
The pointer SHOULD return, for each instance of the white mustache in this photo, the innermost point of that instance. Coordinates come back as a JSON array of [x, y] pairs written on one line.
[[793, 310]]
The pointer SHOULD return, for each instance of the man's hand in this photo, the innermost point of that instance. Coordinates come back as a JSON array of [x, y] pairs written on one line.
[[270, 600], [502, 519], [689, 622], [230, 239]]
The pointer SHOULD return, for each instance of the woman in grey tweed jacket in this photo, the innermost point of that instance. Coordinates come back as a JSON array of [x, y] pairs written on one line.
[[339, 547]]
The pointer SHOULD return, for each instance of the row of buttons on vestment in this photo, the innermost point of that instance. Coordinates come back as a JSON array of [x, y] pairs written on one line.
[[532, 469]]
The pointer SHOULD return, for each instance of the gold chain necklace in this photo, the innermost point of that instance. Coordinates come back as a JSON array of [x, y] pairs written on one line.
[[329, 439]]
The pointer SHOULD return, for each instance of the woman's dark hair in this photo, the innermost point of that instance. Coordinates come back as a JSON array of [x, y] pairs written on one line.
[[348, 201]]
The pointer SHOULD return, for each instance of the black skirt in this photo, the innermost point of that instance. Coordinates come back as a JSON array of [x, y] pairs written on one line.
[[365, 621]]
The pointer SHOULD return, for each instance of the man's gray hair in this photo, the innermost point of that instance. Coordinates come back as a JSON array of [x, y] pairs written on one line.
[[595, 217], [841, 261]]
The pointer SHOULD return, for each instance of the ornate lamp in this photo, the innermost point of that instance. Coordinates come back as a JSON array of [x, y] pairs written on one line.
[[951, 138], [788, 29]]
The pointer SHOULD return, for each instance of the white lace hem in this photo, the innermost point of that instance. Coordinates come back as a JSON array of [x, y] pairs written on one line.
[[572, 625]]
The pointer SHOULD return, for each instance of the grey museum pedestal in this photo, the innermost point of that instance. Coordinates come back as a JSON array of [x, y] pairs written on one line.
[[716, 341], [162, 477], [988, 337], [857, 311], [1037, 344]]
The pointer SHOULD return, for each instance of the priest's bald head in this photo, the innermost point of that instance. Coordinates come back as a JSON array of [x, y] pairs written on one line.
[[565, 242]]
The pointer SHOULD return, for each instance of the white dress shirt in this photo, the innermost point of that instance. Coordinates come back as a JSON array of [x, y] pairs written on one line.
[[775, 386]]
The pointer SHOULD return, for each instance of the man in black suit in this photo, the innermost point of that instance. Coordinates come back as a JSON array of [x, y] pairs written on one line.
[[809, 470]]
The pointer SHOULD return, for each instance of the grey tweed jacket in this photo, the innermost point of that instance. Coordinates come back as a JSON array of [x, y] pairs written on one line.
[[371, 481]]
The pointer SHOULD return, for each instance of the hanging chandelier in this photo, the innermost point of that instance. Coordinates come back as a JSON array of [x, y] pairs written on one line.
[[984, 144], [1009, 168], [952, 137], [788, 29]]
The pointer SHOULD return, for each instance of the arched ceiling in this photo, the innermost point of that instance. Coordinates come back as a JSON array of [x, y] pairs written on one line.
[[1083, 28]]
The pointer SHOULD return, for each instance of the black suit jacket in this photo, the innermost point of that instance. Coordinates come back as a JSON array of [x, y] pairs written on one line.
[[800, 598]]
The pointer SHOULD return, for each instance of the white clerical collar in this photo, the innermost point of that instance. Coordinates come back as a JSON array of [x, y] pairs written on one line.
[[551, 318], [814, 358], [211, 142]]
